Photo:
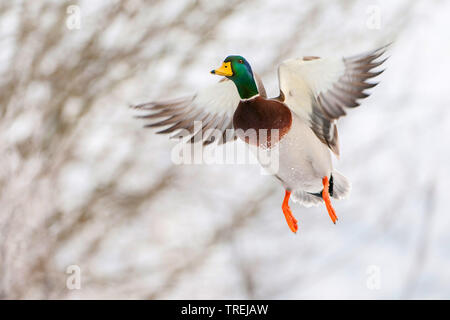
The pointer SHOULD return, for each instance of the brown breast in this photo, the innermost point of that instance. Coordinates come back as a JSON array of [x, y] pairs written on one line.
[[256, 119]]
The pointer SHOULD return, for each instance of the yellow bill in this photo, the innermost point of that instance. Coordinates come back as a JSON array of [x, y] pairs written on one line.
[[224, 70]]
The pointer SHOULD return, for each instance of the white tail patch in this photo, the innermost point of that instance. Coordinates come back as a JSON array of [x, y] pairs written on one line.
[[341, 185], [305, 198], [341, 190]]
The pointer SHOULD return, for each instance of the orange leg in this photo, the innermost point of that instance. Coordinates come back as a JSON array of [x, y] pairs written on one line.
[[326, 198], [291, 221]]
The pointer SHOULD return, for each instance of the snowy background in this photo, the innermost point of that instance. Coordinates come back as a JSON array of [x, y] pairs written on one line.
[[81, 184]]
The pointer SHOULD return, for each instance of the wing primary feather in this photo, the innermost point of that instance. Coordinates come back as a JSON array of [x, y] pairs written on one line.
[[182, 124], [330, 110], [205, 124], [163, 113], [360, 85], [374, 54], [217, 125], [165, 122], [369, 66], [163, 104], [344, 99], [350, 91], [366, 75]]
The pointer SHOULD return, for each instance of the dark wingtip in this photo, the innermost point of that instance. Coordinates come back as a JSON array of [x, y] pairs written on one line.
[[389, 44], [384, 48], [146, 116], [138, 106]]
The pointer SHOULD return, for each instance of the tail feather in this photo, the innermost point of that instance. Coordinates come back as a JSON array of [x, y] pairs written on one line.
[[341, 185], [340, 190], [306, 199]]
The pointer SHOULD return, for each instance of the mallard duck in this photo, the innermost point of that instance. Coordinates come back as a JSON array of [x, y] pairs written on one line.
[[314, 93]]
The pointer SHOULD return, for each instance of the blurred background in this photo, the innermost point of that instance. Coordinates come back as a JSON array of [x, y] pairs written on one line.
[[85, 192]]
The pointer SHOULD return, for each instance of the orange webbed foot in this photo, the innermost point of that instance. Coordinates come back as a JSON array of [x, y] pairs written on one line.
[[326, 199], [290, 219]]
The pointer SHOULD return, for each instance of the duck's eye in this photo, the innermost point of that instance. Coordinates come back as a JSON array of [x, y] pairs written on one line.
[[226, 66], [240, 61]]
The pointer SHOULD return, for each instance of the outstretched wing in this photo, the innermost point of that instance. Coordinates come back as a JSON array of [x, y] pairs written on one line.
[[320, 90], [211, 108]]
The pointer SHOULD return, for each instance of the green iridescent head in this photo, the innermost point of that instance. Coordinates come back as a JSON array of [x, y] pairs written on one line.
[[237, 69]]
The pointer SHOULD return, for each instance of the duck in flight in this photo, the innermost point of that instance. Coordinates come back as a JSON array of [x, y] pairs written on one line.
[[314, 93]]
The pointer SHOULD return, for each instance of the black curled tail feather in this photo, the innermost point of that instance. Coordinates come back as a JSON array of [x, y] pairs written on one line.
[[330, 189]]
